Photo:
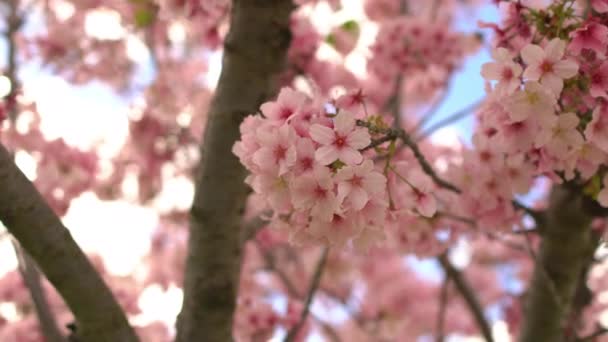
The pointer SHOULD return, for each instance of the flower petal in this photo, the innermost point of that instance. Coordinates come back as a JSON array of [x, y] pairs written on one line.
[[345, 122], [358, 139], [322, 134], [326, 155], [532, 54], [566, 68], [555, 49], [349, 156]]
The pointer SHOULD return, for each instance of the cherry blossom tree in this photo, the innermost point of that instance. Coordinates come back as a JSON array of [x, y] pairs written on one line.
[[325, 204]]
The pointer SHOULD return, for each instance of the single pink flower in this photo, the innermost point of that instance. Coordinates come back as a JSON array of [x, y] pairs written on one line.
[[563, 137], [599, 81], [600, 6], [357, 184], [592, 36], [597, 130], [503, 70], [287, 103], [277, 153], [315, 191], [533, 100], [343, 142], [305, 160], [337, 231], [418, 196], [548, 65]]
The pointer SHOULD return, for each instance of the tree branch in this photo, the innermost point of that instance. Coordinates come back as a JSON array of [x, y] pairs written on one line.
[[42, 235], [396, 133], [254, 56], [468, 295], [314, 285], [27, 266], [443, 301], [470, 109]]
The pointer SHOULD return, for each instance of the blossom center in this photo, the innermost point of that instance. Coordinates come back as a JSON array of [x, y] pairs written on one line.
[[280, 152], [320, 192], [356, 180], [285, 113], [340, 141], [546, 67], [507, 74]]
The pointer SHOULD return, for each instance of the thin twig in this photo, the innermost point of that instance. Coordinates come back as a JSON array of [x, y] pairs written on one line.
[[468, 295], [468, 110], [591, 337], [394, 133], [396, 102], [314, 285], [430, 113], [443, 301], [271, 264], [253, 226], [32, 280], [538, 216]]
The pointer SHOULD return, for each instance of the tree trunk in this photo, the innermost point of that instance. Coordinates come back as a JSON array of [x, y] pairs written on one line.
[[254, 56], [566, 247]]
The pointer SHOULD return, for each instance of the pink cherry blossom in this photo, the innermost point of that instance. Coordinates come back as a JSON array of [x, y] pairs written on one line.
[[597, 130], [315, 191], [600, 6], [533, 100], [417, 195], [274, 189], [602, 196], [562, 138], [592, 36], [335, 232], [287, 103], [547, 65], [343, 142], [305, 151], [599, 81], [358, 183], [503, 70], [277, 153]]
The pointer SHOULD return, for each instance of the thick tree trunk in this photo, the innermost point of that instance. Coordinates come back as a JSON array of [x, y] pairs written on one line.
[[566, 247], [254, 55], [41, 234]]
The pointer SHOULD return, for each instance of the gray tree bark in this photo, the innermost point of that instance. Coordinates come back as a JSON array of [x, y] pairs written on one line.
[[566, 248], [254, 56], [41, 234]]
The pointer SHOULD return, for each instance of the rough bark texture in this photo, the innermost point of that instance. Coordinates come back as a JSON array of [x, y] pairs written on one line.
[[254, 55], [42, 235], [567, 245]]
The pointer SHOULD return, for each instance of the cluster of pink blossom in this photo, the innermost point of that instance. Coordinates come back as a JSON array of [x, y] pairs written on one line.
[[538, 121], [63, 172], [208, 15], [408, 44], [309, 167]]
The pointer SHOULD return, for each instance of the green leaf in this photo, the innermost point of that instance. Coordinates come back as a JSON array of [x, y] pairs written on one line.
[[350, 26], [144, 17], [593, 187]]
